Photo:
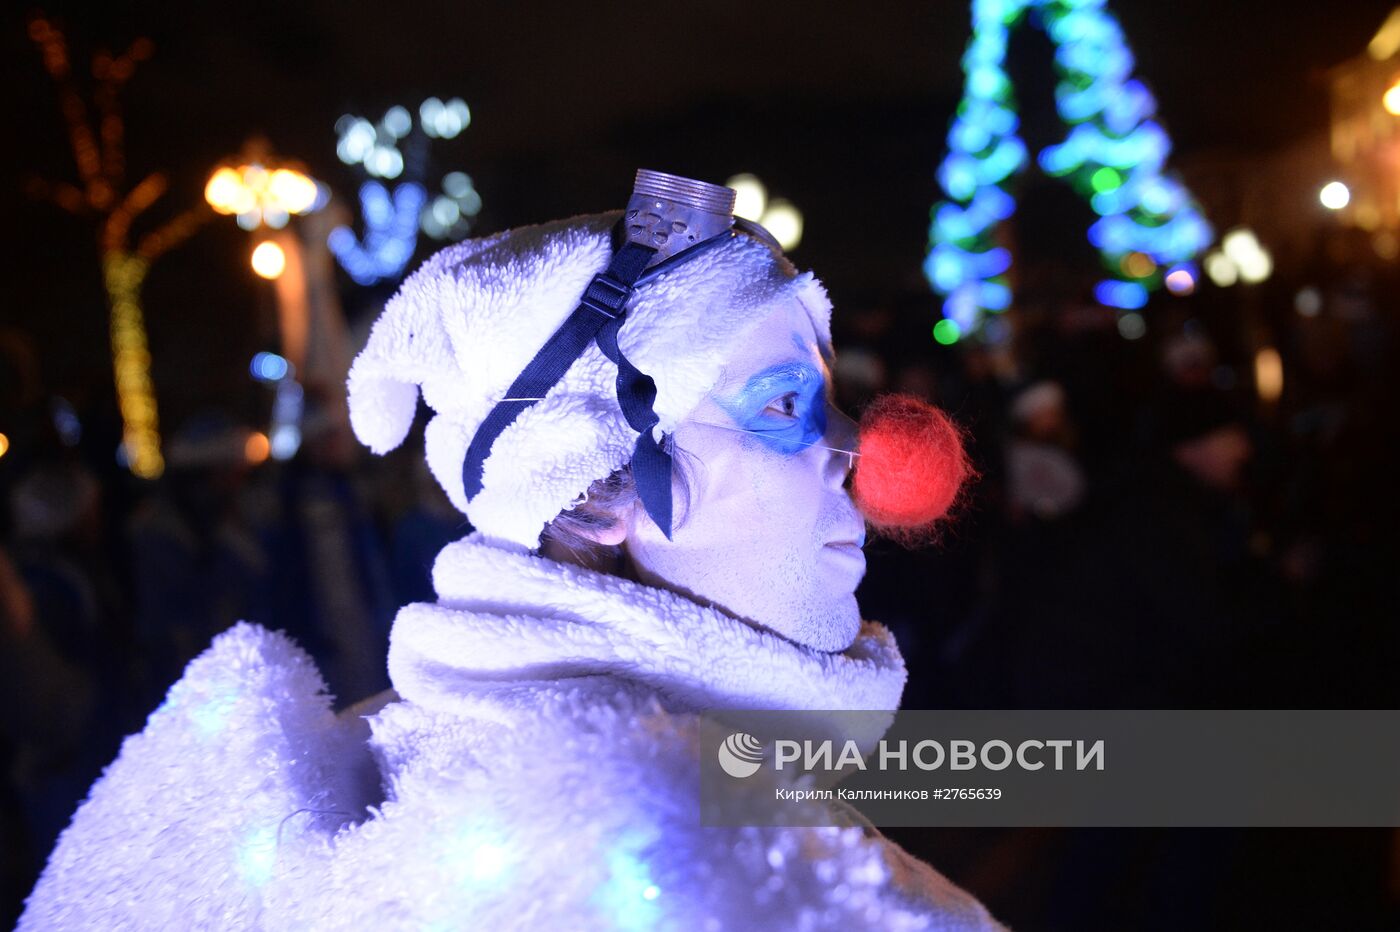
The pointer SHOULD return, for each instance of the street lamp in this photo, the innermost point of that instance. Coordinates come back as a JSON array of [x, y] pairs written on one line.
[[264, 193], [258, 195]]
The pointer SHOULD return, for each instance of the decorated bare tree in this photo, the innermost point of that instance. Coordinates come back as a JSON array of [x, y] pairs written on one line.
[[96, 133]]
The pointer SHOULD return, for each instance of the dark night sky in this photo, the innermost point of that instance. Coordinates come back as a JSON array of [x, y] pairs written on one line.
[[841, 107]]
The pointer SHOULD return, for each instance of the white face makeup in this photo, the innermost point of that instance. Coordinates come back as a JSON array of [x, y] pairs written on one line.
[[768, 533]]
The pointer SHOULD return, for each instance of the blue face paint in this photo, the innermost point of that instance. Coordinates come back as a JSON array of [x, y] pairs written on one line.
[[784, 406]]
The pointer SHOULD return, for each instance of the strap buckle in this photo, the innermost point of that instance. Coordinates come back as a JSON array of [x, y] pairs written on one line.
[[606, 295]]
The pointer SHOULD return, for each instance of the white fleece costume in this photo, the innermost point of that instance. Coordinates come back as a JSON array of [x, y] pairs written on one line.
[[538, 768], [541, 773]]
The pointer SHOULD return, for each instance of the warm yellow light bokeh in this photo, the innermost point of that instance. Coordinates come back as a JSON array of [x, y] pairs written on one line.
[[1138, 265], [292, 191], [224, 191], [123, 274], [1391, 99], [269, 261], [257, 448], [751, 197], [1334, 195], [253, 190], [1268, 374], [784, 221]]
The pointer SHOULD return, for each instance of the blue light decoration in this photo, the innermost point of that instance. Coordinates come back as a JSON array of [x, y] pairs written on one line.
[[393, 219], [268, 367], [210, 717], [476, 854], [629, 896], [257, 856], [65, 422], [391, 232], [208, 713], [284, 433], [1113, 155]]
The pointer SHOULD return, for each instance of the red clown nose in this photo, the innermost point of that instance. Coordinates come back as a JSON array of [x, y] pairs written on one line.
[[912, 465]]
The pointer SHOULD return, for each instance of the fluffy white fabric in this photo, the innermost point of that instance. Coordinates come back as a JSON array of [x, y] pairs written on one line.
[[540, 771], [469, 320], [556, 620], [242, 770]]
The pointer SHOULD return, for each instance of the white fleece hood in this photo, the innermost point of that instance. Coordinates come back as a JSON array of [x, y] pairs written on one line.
[[472, 317], [507, 624]]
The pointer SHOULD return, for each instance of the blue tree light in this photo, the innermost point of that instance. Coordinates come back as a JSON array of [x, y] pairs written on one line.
[[394, 218], [391, 232], [1128, 296], [1113, 155]]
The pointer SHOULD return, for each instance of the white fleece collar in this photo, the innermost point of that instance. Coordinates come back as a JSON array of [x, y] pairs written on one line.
[[508, 621]]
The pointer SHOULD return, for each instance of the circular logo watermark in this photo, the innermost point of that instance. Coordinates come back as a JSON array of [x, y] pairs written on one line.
[[740, 755]]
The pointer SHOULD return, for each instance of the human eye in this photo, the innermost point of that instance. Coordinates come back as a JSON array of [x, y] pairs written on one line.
[[785, 404]]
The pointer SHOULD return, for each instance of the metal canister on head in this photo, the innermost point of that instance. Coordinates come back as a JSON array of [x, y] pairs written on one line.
[[669, 220], [670, 213]]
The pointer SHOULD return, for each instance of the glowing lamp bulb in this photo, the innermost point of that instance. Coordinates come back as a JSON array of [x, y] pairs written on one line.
[[294, 192], [224, 190], [912, 464], [1391, 99], [269, 261], [1334, 195]]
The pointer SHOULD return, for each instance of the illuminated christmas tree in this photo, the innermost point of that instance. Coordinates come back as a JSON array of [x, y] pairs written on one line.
[[1149, 229]]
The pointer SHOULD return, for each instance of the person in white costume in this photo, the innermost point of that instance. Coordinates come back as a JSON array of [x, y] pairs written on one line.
[[536, 764]]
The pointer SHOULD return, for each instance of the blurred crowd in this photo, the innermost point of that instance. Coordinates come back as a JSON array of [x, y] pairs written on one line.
[[1146, 532], [1158, 523], [109, 587]]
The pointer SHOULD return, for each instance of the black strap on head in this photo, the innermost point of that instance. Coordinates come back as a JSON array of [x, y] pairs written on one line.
[[599, 316]]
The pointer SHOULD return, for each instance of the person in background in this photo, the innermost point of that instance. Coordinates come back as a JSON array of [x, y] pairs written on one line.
[[1043, 478], [198, 567]]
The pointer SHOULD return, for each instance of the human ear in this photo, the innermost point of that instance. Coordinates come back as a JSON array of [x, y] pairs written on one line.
[[606, 526], [613, 534], [589, 536]]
